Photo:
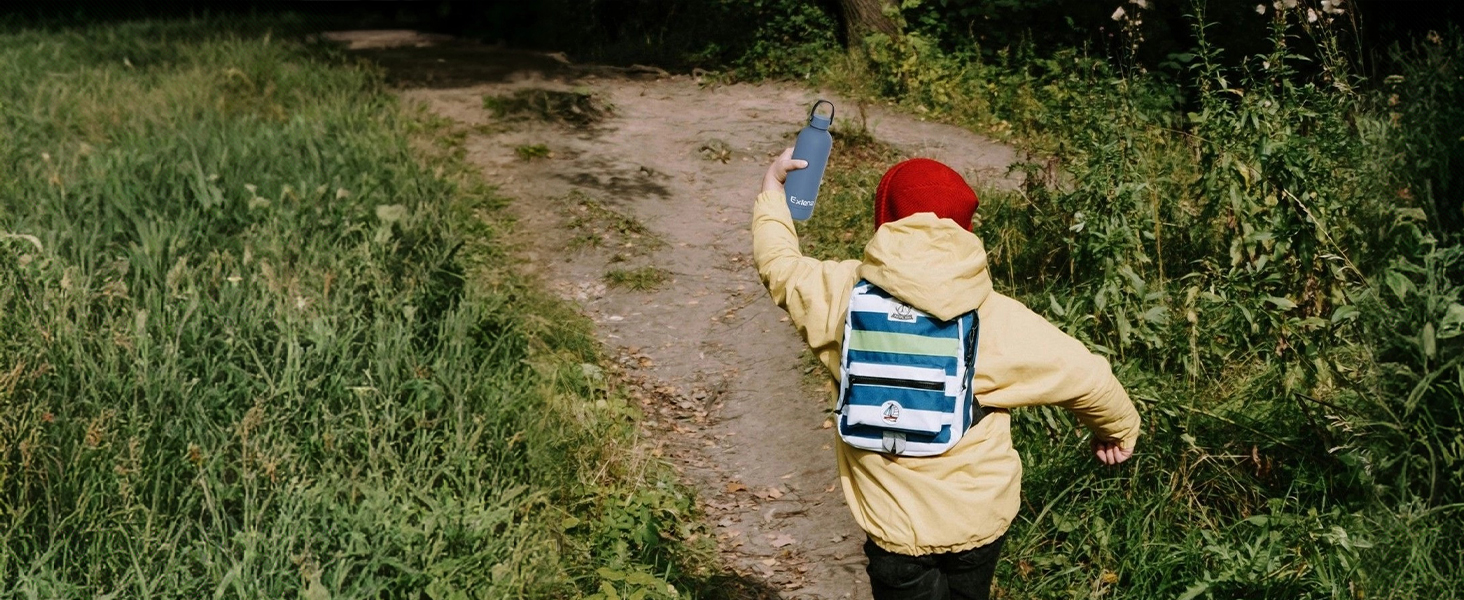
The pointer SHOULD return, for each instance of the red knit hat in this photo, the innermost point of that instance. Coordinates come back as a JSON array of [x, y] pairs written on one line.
[[923, 185]]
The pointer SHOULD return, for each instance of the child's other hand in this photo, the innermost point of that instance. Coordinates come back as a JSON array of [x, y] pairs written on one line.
[[778, 171], [1111, 452]]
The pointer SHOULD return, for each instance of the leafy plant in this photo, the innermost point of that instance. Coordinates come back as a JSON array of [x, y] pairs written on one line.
[[532, 152], [640, 279], [576, 107], [601, 226]]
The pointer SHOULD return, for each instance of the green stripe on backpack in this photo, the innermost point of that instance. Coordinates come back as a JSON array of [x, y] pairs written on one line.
[[903, 343]]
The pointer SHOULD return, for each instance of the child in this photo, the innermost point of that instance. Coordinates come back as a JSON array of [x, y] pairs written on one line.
[[936, 523]]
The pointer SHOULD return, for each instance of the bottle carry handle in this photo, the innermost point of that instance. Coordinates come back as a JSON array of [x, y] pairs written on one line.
[[813, 110]]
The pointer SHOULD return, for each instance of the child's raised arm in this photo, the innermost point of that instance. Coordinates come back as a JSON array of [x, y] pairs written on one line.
[[815, 293]]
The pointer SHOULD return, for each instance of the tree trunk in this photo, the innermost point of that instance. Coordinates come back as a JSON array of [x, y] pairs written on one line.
[[863, 17]]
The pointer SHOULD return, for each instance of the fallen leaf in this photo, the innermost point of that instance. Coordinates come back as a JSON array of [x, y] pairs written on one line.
[[828, 423], [1110, 577], [770, 561], [775, 493], [735, 487], [779, 540]]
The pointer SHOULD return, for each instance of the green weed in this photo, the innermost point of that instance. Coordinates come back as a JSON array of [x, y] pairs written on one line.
[[597, 225], [532, 151], [579, 108], [641, 279]]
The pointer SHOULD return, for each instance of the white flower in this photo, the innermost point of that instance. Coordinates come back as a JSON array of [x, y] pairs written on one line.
[[1289, 3], [1118, 14], [1311, 16], [1260, 9], [1140, 3]]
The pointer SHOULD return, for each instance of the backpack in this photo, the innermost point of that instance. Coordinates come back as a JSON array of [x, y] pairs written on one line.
[[905, 376]]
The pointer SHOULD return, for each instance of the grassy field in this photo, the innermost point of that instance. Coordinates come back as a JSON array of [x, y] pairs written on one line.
[[254, 345], [1267, 250]]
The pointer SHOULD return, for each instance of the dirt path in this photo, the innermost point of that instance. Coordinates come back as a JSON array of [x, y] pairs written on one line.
[[721, 370]]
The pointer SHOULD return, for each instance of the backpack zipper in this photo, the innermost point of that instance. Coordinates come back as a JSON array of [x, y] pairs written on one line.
[[892, 382]]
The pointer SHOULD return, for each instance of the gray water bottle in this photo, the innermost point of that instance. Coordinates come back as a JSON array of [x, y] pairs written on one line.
[[813, 145]]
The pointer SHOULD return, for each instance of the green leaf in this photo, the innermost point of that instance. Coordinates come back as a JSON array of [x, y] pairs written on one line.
[[316, 590], [391, 213], [1057, 308], [1133, 278], [609, 574], [1346, 312], [1194, 591], [1430, 345], [506, 497], [641, 578], [1453, 322], [1157, 315], [1399, 283], [1411, 214], [1281, 303], [1064, 524], [1312, 322]]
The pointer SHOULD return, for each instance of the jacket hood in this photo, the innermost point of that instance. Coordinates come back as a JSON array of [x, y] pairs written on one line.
[[929, 263]]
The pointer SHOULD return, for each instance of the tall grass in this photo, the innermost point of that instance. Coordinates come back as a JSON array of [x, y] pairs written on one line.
[[1267, 249], [252, 344]]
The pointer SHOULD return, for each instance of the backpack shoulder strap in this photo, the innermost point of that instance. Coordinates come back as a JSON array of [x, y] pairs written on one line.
[[973, 335]]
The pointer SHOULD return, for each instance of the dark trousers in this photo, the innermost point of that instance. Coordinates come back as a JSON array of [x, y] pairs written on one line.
[[950, 576]]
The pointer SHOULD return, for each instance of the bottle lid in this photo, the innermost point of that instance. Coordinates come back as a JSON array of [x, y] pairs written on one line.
[[819, 121]]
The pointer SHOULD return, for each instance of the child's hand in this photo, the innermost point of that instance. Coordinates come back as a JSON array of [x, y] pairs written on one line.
[[1110, 452], [778, 171]]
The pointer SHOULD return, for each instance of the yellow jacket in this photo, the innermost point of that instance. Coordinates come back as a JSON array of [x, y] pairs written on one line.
[[968, 496]]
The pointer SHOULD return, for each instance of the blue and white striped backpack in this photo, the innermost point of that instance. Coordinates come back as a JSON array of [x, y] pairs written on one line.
[[905, 376]]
